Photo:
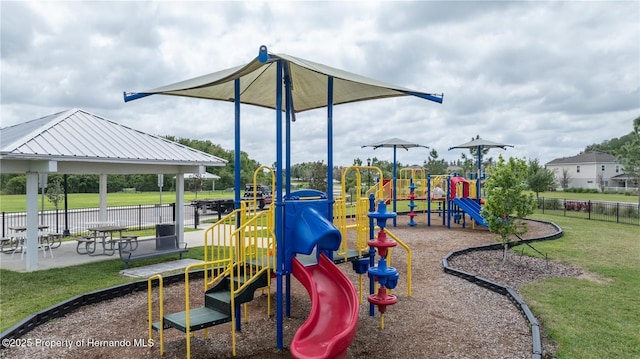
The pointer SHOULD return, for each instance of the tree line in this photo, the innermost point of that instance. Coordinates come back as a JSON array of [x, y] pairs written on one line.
[[314, 174]]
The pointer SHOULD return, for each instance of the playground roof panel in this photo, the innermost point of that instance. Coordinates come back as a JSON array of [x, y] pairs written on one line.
[[309, 85]]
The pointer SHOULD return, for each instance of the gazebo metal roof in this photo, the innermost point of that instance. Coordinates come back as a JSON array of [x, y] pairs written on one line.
[[81, 142]]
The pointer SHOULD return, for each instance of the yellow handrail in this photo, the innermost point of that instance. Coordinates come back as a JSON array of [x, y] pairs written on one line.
[[187, 270], [406, 247], [243, 243], [161, 309]]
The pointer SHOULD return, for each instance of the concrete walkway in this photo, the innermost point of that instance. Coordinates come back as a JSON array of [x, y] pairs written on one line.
[[66, 256]]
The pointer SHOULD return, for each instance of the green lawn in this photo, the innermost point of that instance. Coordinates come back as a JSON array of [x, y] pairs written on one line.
[[597, 316], [22, 294], [18, 202]]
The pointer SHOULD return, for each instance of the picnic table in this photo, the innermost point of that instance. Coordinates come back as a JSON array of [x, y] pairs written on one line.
[[17, 241], [24, 228], [104, 234]]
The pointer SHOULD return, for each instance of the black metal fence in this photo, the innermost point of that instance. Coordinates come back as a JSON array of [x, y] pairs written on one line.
[[618, 212], [76, 221]]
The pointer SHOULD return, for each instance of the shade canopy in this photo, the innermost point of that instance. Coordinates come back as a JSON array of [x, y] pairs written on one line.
[[479, 142], [394, 143], [309, 81]]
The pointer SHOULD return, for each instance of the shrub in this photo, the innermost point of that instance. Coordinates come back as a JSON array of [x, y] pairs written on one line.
[[550, 203], [578, 206], [629, 211]]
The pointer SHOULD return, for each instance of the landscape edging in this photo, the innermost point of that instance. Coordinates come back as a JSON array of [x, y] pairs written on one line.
[[58, 310], [503, 289]]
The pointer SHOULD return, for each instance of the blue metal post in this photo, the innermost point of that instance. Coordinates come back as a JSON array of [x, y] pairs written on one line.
[[279, 220], [236, 199], [288, 105], [288, 109], [330, 147], [449, 203], [236, 157], [479, 171], [372, 252], [428, 199], [395, 193]]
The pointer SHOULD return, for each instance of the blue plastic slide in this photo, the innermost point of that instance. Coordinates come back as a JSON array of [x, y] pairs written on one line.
[[472, 208]]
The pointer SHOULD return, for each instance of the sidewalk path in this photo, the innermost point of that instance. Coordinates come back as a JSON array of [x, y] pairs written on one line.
[[66, 255]]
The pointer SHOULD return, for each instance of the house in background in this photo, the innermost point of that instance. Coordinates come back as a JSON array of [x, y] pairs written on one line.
[[593, 170]]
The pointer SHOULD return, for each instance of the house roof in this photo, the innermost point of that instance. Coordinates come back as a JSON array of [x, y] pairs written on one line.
[[82, 142], [622, 177], [586, 157]]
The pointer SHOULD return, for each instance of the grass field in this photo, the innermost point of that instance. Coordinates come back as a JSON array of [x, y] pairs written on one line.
[[18, 202], [597, 316]]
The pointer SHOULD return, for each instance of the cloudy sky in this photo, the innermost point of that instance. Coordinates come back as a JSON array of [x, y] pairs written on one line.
[[547, 77]]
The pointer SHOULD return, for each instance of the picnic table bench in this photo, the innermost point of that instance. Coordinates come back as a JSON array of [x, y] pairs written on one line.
[[150, 248]]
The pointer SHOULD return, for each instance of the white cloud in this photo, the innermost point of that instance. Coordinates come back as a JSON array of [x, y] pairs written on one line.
[[547, 77]]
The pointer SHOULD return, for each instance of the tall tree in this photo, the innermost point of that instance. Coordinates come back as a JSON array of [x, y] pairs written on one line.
[[318, 176], [629, 155], [474, 153], [55, 192], [507, 203], [435, 166], [467, 165], [565, 178], [539, 179]]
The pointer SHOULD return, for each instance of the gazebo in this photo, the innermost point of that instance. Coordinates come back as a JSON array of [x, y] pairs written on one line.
[[78, 142]]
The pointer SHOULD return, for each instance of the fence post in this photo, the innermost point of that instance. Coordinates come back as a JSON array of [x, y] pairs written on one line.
[[564, 207], [3, 213], [617, 212], [589, 208], [57, 221], [196, 217], [139, 216]]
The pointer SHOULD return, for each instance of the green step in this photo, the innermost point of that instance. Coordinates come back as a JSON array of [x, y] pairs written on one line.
[[219, 300], [199, 318]]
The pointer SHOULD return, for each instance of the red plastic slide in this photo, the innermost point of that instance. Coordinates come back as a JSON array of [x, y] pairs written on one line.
[[332, 322]]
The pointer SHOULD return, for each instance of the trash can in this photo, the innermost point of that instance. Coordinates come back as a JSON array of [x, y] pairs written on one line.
[[165, 230], [162, 231]]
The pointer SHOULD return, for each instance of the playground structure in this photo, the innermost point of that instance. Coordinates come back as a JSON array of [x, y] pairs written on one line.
[[241, 255], [459, 196], [458, 200], [297, 235], [238, 260]]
